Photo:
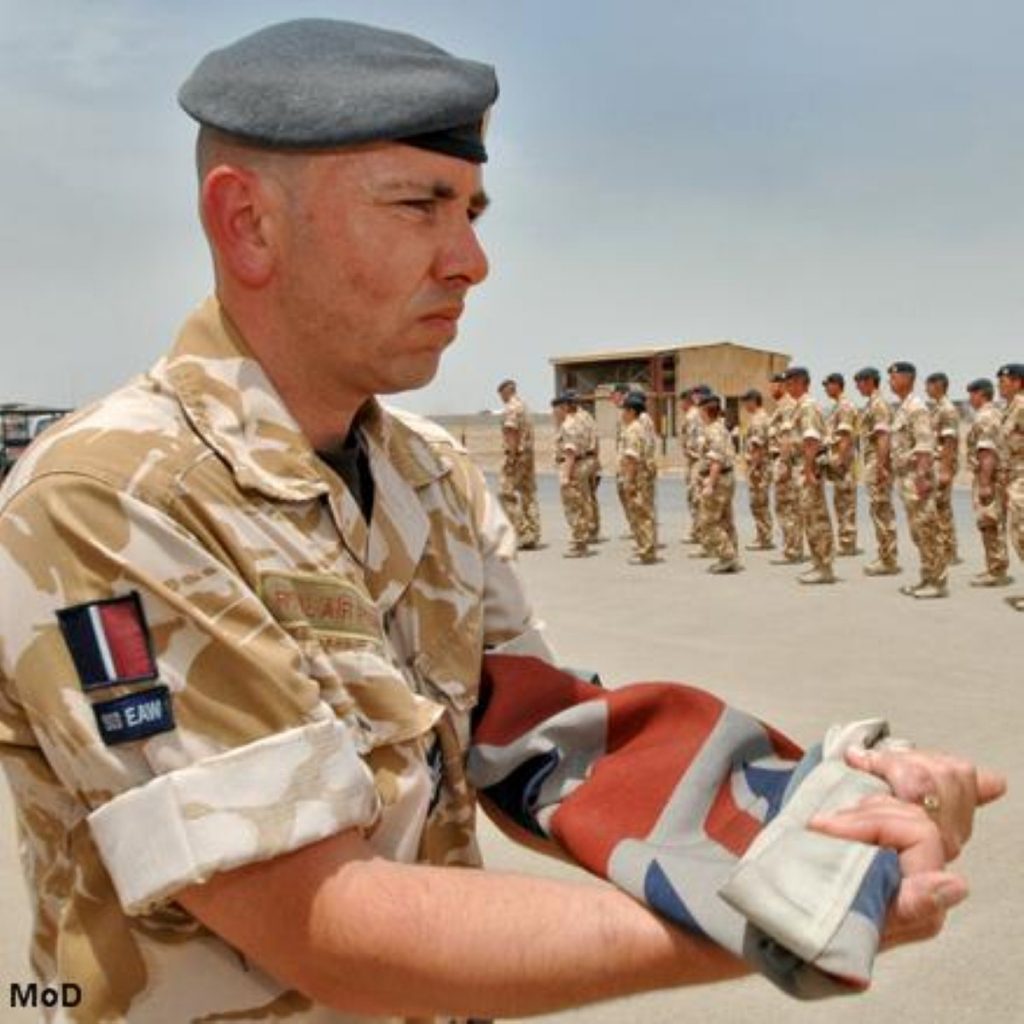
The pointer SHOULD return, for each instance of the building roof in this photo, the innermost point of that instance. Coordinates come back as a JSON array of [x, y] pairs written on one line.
[[618, 355]]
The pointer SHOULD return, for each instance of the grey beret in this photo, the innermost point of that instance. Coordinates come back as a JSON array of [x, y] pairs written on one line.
[[322, 84]]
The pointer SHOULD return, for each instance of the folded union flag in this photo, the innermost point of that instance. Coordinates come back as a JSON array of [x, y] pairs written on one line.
[[695, 809]]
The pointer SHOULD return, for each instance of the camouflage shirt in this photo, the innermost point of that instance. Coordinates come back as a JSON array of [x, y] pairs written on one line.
[[1013, 436], [986, 433], [757, 432], [780, 427], [515, 416], [637, 443], [808, 425], [875, 418], [842, 420], [178, 549], [717, 447], [692, 437], [945, 425], [912, 434]]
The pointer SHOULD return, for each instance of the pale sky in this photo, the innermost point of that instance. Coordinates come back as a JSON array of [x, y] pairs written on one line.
[[837, 181]]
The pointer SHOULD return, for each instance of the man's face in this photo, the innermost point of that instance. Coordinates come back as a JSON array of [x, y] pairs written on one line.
[[935, 390], [866, 386], [1009, 386], [377, 251], [833, 390], [901, 384], [750, 407], [976, 399], [796, 386], [506, 393], [558, 412], [778, 389]]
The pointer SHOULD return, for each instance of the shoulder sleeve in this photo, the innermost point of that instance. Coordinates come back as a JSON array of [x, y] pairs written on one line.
[[170, 703], [921, 425]]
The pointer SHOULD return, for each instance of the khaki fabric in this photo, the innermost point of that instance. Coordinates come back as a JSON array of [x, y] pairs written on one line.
[[876, 419], [1013, 437], [322, 670], [517, 483], [759, 480], [637, 446]]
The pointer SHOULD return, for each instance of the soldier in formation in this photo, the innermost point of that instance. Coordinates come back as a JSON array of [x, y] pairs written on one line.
[[717, 462], [840, 467], [987, 460], [806, 454], [517, 488], [573, 465], [637, 473], [946, 428], [759, 468], [787, 498], [691, 440], [1011, 389]]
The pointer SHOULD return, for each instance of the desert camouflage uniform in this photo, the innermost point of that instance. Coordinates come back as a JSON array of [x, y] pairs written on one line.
[[809, 425], [518, 485], [911, 435], [593, 466], [321, 670], [787, 469], [1013, 437], [985, 434], [717, 523], [876, 419], [637, 445], [946, 424], [573, 437], [692, 444], [842, 421], [759, 477]]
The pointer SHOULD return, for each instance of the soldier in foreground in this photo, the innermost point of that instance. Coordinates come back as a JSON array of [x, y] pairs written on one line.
[[1011, 388], [946, 428], [787, 493], [806, 452], [759, 469], [637, 472], [244, 608], [913, 447], [718, 488], [841, 443], [517, 487], [987, 459], [876, 439]]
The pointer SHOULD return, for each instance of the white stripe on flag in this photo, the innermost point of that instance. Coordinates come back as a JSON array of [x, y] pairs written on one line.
[[101, 641]]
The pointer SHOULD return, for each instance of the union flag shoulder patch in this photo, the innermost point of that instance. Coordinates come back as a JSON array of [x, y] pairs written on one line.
[[109, 641]]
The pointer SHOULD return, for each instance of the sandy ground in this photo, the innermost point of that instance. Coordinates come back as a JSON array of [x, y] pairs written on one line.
[[945, 673]]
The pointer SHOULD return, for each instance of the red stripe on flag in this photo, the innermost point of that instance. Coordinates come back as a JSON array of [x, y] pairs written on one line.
[[728, 824], [656, 730], [126, 638]]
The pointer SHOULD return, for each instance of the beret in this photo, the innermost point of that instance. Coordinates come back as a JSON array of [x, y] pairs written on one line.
[[937, 378], [569, 394], [903, 367], [835, 378], [634, 400], [868, 373], [559, 400], [686, 393], [712, 400], [779, 378], [982, 384], [752, 395], [1011, 370], [508, 382], [798, 373], [316, 83], [701, 389]]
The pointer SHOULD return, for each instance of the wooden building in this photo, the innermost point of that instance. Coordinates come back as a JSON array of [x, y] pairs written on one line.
[[727, 367]]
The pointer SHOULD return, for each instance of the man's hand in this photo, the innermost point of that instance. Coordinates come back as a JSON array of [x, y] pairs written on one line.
[[927, 890], [954, 787], [923, 485], [945, 476]]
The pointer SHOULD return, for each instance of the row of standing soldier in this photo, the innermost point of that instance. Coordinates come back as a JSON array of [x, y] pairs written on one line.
[[795, 451]]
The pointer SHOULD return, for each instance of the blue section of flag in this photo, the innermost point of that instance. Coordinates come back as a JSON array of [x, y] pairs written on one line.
[[878, 887], [661, 895], [519, 792], [770, 784], [135, 716], [80, 636]]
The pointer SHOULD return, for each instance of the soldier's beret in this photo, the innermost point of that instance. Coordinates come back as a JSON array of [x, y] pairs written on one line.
[[937, 378], [835, 378], [317, 83], [508, 382], [751, 395], [701, 389], [868, 373], [779, 378], [982, 384], [1011, 370], [711, 401], [798, 373], [569, 394], [686, 393], [559, 400], [634, 400], [903, 367]]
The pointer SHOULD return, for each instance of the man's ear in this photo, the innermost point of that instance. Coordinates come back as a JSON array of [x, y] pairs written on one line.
[[235, 210]]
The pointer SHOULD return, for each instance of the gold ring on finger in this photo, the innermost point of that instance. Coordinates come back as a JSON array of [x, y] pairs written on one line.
[[931, 804]]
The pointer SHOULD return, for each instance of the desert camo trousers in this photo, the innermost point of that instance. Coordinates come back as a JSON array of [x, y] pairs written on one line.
[[517, 491], [923, 520], [787, 510], [638, 505], [1015, 515], [883, 515], [717, 523], [990, 518], [817, 525], [691, 478], [576, 501], [947, 526], [844, 501], [759, 484], [593, 505]]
